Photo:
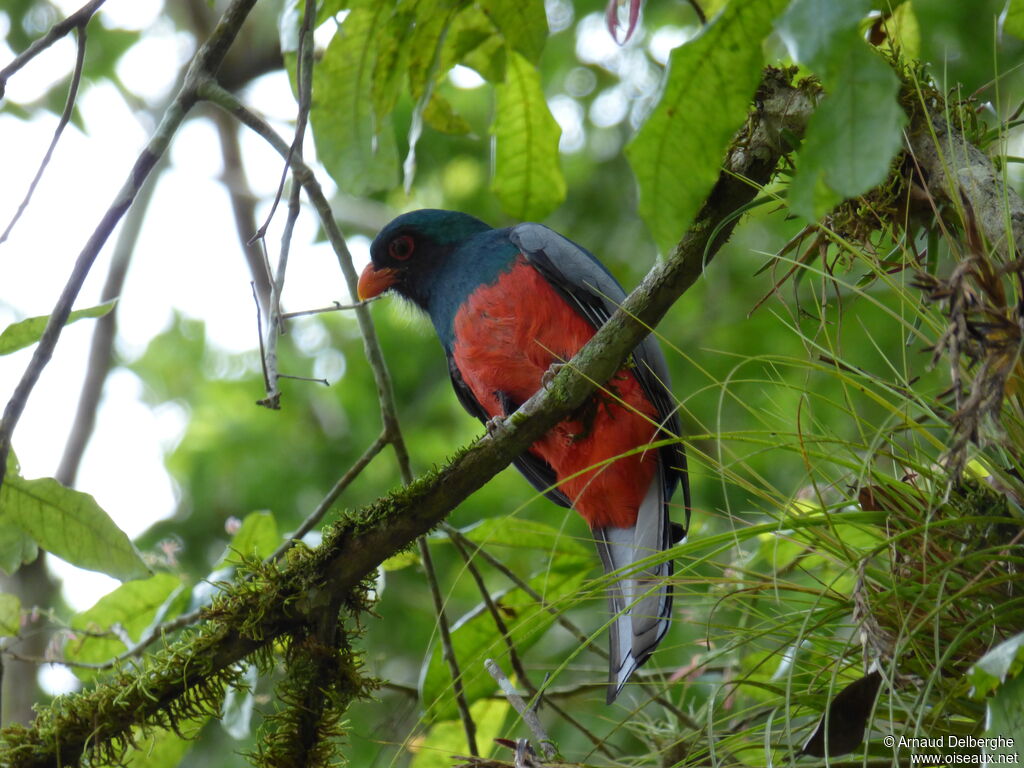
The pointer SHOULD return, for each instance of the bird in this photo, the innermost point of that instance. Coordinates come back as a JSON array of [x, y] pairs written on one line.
[[509, 306]]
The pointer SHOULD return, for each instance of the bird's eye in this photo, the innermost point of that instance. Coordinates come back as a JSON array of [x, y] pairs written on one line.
[[401, 248]]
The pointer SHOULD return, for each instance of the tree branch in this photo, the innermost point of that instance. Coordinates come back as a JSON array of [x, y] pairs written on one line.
[[253, 613], [203, 66]]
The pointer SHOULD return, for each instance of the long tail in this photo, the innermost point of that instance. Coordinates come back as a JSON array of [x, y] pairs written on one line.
[[641, 602]]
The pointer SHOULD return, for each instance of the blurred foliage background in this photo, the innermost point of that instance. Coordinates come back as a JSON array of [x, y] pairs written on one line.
[[798, 396]]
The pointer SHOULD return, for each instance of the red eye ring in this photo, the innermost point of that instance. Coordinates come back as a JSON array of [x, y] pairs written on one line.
[[401, 247]]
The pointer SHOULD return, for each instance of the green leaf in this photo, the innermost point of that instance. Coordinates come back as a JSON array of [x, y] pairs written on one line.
[[853, 135], [677, 153], [357, 148], [440, 116], [1013, 21], [809, 28], [10, 615], [476, 637], [393, 44], [401, 560], [27, 332], [16, 547], [160, 748], [130, 610], [449, 737], [522, 23], [1003, 661], [1006, 719], [473, 40], [257, 538], [528, 179], [519, 533], [68, 524]]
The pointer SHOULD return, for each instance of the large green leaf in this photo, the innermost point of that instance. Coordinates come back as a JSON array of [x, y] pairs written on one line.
[[528, 179], [68, 524], [473, 40], [256, 538], [476, 638], [519, 533], [449, 737], [1006, 719], [1013, 18], [522, 23], [853, 135], [810, 28], [160, 748], [27, 332], [856, 130], [356, 146], [992, 669], [16, 547], [677, 153], [129, 611]]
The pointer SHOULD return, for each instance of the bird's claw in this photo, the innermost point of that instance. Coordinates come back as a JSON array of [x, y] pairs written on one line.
[[549, 375], [492, 424]]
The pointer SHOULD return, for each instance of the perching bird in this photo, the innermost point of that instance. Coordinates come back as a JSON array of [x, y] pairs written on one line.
[[507, 305]]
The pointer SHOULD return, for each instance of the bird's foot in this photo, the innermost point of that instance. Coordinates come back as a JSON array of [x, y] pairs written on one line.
[[549, 375], [492, 424]]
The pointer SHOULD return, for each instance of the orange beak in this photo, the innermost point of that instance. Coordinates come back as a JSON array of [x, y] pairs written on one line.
[[373, 281]]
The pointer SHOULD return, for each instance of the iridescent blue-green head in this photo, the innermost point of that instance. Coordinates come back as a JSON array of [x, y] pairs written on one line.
[[411, 253], [435, 259]]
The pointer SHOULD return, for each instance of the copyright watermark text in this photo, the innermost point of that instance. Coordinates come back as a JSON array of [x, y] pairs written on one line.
[[989, 750]]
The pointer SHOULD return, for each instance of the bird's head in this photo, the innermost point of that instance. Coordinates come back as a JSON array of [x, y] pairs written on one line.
[[407, 255]]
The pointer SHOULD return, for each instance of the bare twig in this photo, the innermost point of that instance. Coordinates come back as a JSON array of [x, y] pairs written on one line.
[[338, 307], [101, 350], [205, 63], [328, 501], [447, 649], [65, 118], [76, 20], [528, 714], [243, 203]]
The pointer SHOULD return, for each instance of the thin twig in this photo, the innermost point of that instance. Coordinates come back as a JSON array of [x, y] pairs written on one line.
[[385, 392], [338, 307], [528, 714], [65, 118], [328, 501], [578, 634], [55, 33], [205, 62], [243, 207], [492, 609], [101, 349], [447, 649]]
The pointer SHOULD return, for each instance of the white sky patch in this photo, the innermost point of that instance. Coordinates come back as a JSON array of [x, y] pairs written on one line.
[[665, 39], [32, 81], [151, 66], [609, 108], [125, 14], [465, 77], [569, 115], [560, 15], [56, 679]]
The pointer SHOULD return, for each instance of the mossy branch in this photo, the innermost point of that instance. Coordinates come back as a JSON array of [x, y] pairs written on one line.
[[186, 678]]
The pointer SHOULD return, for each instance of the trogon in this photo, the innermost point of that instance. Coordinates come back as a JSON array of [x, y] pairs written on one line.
[[507, 305]]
